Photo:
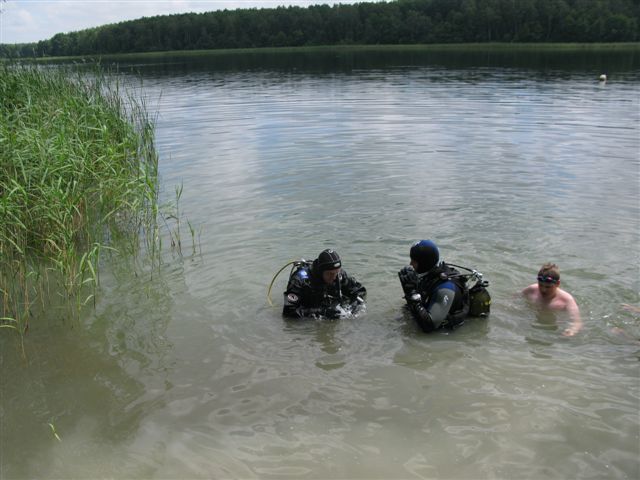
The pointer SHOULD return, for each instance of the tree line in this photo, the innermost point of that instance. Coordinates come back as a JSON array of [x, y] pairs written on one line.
[[395, 22]]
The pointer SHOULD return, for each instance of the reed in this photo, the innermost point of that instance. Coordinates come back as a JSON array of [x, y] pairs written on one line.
[[78, 169]]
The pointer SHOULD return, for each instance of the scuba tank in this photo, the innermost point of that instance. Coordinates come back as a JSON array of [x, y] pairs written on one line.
[[296, 265], [479, 298]]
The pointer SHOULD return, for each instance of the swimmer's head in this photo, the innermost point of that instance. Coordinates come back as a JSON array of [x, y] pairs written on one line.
[[548, 279]]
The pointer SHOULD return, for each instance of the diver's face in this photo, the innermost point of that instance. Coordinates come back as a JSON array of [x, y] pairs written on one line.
[[329, 276], [414, 264]]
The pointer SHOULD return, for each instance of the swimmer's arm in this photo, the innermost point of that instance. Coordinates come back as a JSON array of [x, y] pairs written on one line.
[[576, 322], [631, 308]]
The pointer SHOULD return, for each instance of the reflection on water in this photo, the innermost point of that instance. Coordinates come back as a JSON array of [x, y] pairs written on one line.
[[506, 161], [540, 61]]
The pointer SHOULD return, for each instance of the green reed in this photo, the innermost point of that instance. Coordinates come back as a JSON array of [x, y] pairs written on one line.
[[78, 170]]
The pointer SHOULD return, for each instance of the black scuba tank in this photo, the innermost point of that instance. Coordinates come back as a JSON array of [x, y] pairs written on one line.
[[479, 300]]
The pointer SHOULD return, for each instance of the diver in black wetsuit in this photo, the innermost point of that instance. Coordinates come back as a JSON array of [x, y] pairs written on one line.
[[436, 293], [322, 288]]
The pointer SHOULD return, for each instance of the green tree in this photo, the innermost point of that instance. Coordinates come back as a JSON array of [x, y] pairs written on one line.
[[399, 21]]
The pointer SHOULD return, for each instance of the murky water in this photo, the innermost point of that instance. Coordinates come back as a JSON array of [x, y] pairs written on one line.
[[506, 164]]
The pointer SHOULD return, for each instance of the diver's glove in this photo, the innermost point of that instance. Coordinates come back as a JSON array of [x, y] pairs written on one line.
[[409, 281], [356, 304], [333, 312]]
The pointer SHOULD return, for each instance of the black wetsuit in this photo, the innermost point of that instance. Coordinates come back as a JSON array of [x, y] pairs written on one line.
[[308, 295], [436, 299]]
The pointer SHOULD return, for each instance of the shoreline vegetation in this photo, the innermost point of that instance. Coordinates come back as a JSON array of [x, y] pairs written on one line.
[[78, 174], [451, 47]]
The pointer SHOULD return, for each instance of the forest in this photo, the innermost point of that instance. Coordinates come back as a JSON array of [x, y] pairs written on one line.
[[399, 22]]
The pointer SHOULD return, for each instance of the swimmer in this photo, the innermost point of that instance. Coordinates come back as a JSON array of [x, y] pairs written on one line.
[[547, 294]]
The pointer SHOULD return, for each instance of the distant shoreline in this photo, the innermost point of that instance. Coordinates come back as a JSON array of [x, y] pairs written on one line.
[[470, 47]]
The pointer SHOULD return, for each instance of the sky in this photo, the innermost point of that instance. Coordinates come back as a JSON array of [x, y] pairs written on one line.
[[25, 21]]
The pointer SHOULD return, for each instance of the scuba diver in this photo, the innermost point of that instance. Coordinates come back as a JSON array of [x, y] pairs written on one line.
[[322, 288], [437, 293]]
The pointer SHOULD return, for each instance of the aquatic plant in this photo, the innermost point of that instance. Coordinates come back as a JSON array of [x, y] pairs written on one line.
[[78, 169]]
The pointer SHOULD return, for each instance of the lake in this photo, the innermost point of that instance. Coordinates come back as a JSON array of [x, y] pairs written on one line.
[[506, 160]]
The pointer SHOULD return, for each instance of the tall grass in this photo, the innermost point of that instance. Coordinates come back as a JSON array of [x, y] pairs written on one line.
[[77, 168]]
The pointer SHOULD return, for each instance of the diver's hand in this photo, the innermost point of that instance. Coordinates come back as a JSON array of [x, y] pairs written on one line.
[[356, 304], [333, 312], [408, 280]]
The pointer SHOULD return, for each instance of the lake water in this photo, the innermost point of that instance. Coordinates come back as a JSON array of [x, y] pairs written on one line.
[[507, 161]]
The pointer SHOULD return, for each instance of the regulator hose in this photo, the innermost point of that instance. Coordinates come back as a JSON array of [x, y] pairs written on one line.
[[293, 262]]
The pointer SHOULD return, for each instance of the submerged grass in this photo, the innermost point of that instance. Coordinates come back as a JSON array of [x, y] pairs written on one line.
[[77, 168]]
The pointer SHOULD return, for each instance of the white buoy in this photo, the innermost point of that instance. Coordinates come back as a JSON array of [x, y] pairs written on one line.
[[603, 78]]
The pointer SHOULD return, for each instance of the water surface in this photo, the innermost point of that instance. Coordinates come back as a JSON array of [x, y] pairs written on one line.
[[506, 162]]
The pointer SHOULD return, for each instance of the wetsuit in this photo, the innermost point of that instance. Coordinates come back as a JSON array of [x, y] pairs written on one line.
[[308, 295], [435, 299]]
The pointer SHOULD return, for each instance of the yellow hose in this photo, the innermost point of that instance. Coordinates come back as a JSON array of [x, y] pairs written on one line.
[[274, 279]]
